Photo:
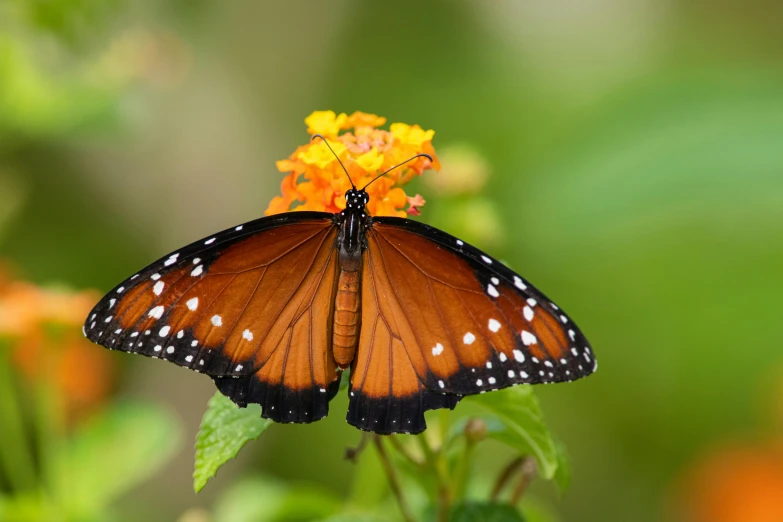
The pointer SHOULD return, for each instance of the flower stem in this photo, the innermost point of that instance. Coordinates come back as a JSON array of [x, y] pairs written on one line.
[[437, 460], [394, 483], [15, 456], [402, 450]]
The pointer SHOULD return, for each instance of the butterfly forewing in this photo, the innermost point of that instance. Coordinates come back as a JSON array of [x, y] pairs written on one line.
[[250, 306]]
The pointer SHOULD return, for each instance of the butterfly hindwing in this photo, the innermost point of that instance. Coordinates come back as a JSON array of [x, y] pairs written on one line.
[[250, 306]]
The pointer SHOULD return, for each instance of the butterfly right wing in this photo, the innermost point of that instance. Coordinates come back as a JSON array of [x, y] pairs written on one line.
[[250, 306]]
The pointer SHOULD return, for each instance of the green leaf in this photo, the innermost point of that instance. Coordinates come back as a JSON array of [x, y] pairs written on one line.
[[263, 499], [113, 452], [563, 472], [225, 428], [484, 512], [516, 420]]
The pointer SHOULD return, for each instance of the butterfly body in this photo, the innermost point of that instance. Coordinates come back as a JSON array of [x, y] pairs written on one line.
[[351, 244], [273, 309]]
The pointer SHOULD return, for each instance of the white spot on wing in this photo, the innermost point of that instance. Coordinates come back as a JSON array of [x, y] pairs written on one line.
[[170, 349], [437, 350], [120, 289], [238, 228], [171, 260], [495, 281], [217, 320], [209, 241], [197, 271], [531, 301], [189, 358], [572, 335], [441, 384], [247, 334], [528, 313], [460, 243], [519, 283], [469, 338], [564, 319], [491, 290], [494, 325], [156, 312], [111, 303], [158, 348], [155, 277], [164, 331], [519, 356], [238, 368], [479, 382], [511, 374], [528, 338], [158, 288], [502, 357], [486, 260], [192, 303], [491, 380]]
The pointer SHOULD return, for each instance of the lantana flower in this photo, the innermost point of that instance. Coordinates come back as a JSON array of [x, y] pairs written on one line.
[[42, 328], [315, 180]]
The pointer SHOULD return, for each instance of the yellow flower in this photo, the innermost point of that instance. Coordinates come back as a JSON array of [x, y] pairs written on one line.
[[315, 180], [370, 161], [320, 155], [325, 122], [411, 135]]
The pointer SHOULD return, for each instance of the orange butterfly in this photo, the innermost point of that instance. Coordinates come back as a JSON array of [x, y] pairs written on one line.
[[274, 309]]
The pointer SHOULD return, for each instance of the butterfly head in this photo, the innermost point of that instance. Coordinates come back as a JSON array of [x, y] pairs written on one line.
[[356, 199]]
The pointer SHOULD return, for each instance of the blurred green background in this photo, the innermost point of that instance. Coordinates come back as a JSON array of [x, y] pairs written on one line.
[[635, 152]]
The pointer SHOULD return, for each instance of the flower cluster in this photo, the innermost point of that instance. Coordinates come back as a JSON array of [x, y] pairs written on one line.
[[316, 181], [42, 327]]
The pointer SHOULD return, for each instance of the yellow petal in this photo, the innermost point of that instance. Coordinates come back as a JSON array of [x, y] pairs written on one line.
[[370, 161], [325, 122]]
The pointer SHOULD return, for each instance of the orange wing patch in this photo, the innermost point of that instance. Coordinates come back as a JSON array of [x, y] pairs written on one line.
[[465, 323], [250, 306]]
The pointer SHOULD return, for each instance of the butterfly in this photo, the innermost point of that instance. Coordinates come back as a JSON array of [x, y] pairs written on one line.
[[275, 309]]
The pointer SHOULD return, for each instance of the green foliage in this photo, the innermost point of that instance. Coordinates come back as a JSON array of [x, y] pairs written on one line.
[[485, 512], [261, 499], [516, 420], [80, 476], [225, 428], [114, 452]]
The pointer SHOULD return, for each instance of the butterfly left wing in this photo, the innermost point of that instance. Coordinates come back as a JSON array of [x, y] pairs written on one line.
[[250, 306], [441, 319]]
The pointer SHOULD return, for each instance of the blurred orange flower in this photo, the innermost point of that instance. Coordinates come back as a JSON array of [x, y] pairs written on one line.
[[316, 181], [43, 329], [735, 484]]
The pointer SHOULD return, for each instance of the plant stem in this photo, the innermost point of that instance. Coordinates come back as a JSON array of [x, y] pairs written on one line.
[[463, 468], [504, 477], [15, 456], [437, 460], [529, 470], [394, 483], [402, 450]]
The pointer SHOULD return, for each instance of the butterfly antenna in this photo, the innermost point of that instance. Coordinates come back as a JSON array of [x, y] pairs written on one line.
[[422, 155], [336, 156]]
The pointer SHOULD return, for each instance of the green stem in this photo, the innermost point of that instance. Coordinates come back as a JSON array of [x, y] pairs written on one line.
[[394, 483], [51, 435], [402, 450], [15, 456], [460, 483], [437, 460]]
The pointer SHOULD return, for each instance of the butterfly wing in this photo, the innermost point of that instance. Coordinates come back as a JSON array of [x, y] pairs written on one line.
[[441, 319], [250, 306]]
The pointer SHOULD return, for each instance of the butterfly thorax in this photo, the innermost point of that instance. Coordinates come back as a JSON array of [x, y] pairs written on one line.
[[351, 242]]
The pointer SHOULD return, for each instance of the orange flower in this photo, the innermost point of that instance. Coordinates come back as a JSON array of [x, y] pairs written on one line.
[[734, 484], [44, 330], [316, 181]]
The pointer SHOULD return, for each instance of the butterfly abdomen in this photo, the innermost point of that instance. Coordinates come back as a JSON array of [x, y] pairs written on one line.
[[347, 317]]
